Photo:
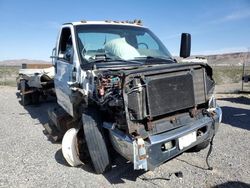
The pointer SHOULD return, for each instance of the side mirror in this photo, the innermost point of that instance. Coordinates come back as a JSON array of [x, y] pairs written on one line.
[[53, 56], [185, 45]]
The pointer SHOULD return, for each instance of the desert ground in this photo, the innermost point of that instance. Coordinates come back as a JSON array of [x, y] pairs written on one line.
[[28, 159]]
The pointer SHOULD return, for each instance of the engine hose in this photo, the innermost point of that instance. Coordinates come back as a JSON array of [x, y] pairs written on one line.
[[211, 141], [209, 152], [178, 174]]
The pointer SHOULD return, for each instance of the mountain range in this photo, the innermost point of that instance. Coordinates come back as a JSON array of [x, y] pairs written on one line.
[[236, 59]]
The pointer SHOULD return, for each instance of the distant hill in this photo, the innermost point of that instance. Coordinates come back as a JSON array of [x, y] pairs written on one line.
[[19, 62], [237, 58], [229, 59]]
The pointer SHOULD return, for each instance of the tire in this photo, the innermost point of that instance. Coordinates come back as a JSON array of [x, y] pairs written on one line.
[[200, 146], [25, 98], [95, 141], [18, 86], [35, 96]]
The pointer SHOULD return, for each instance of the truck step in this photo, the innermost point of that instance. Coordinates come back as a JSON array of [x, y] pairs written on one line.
[[52, 133], [61, 119]]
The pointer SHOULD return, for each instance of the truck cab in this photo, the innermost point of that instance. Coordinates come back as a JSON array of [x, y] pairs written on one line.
[[126, 91]]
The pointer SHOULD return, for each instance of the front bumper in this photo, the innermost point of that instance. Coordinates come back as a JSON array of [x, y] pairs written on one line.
[[157, 156], [150, 154]]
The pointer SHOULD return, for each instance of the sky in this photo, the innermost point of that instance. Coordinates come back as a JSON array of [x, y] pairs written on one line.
[[29, 28]]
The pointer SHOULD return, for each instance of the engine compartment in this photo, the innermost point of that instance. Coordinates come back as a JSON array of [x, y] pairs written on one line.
[[107, 95], [151, 100]]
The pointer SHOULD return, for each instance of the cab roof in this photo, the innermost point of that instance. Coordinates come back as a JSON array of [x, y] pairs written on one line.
[[137, 23]]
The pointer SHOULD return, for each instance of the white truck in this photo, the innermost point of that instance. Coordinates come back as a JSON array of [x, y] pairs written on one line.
[[120, 88]]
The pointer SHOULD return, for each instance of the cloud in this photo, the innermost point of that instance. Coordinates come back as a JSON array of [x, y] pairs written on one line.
[[234, 16]]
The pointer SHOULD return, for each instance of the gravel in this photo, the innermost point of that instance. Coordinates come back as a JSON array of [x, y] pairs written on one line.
[[28, 159]]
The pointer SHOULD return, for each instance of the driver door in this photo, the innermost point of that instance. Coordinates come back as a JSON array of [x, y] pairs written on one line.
[[64, 67]]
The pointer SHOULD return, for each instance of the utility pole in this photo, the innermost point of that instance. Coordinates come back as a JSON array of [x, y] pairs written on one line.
[[244, 68]]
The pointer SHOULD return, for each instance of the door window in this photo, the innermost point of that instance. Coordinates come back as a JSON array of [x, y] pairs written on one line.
[[65, 46]]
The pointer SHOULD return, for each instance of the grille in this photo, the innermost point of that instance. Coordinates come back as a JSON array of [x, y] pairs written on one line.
[[170, 94]]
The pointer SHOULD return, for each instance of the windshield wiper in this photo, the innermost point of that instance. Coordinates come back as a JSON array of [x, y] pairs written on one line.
[[101, 58], [154, 59]]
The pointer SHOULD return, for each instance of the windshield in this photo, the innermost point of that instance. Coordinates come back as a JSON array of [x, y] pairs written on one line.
[[118, 42]]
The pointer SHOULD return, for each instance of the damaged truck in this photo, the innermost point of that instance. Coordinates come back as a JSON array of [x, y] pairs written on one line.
[[35, 82], [120, 88]]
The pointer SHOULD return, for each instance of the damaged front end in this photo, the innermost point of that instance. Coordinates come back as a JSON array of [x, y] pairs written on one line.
[[156, 113]]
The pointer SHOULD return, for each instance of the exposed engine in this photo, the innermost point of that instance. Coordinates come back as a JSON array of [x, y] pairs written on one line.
[[139, 100], [108, 95]]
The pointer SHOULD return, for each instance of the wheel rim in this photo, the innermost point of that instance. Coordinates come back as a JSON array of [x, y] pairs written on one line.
[[70, 147]]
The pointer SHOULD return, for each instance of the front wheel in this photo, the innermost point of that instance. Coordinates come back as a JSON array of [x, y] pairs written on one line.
[[92, 128]]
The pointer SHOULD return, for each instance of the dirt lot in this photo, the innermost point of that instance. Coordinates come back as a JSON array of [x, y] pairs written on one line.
[[28, 159]]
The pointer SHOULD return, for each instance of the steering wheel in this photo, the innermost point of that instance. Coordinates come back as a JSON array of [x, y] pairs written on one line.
[[144, 44]]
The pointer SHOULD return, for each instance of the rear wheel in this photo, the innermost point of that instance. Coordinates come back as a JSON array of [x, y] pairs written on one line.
[[35, 97], [92, 127], [18, 86], [25, 98]]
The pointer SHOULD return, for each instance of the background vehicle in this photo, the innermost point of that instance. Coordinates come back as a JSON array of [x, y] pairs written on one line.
[[35, 81], [123, 89]]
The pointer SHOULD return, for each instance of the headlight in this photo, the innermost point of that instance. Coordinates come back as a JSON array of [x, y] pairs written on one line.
[[212, 102], [214, 107]]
